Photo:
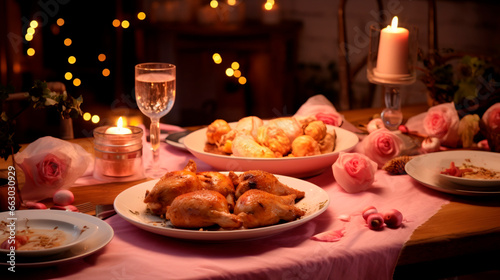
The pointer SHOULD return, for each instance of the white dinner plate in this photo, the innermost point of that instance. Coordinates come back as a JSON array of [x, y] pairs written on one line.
[[97, 240], [177, 139], [129, 205], [426, 169], [299, 167], [67, 232]]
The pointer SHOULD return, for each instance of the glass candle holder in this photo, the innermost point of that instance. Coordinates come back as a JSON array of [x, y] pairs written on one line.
[[118, 157], [392, 57]]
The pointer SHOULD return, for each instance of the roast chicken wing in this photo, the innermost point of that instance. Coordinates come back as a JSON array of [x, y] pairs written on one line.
[[216, 130], [275, 139], [171, 185], [305, 145], [249, 125], [261, 180], [258, 208], [216, 181], [290, 126], [201, 208]]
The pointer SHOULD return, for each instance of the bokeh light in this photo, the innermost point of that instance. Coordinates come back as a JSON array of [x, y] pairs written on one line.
[[96, 119], [101, 57], [242, 80], [68, 76], [77, 82], [141, 16], [60, 22], [106, 72], [217, 58], [125, 24], [34, 23], [68, 42], [30, 30], [235, 65], [71, 60], [116, 23], [237, 73], [30, 52], [214, 4], [229, 72], [28, 37], [87, 116]]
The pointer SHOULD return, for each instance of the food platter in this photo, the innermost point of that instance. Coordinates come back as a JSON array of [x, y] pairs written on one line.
[[299, 167], [426, 169], [96, 241], [129, 205]]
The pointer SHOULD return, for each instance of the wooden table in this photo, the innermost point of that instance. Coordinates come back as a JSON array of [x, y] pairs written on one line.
[[461, 238]]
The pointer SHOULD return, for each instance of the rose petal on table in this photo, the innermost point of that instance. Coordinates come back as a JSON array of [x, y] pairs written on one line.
[[329, 236]]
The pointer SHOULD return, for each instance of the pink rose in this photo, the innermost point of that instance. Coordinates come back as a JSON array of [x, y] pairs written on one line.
[[441, 121], [50, 164], [492, 117], [381, 146], [51, 169], [331, 118], [354, 172]]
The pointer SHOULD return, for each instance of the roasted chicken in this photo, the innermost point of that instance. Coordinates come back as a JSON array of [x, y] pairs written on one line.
[[261, 180], [201, 208], [258, 208], [275, 139], [216, 181], [216, 130], [290, 126], [244, 145], [305, 145]]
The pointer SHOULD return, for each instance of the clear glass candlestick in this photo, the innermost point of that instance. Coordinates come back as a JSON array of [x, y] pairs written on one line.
[[392, 116], [155, 95], [396, 68]]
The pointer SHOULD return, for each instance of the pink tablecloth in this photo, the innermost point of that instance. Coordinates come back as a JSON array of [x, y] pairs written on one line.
[[360, 254]]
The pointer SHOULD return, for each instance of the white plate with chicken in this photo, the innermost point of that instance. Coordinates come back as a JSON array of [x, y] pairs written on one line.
[[188, 209], [302, 157]]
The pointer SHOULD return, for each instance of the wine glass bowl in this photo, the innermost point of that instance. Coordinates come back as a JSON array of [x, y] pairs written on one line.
[[155, 91]]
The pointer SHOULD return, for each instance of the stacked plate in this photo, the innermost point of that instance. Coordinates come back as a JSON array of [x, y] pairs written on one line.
[[427, 169], [78, 235]]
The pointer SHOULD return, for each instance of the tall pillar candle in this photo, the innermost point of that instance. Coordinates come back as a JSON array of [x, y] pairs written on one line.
[[393, 51]]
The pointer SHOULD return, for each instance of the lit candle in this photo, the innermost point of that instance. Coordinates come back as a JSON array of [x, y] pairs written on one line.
[[118, 129], [393, 51]]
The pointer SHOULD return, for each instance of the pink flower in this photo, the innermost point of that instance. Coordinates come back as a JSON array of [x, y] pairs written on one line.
[[319, 108], [354, 172], [50, 164], [492, 117], [381, 146], [331, 118], [441, 121], [51, 169]]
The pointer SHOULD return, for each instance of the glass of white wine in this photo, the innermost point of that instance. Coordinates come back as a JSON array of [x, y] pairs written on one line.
[[155, 97]]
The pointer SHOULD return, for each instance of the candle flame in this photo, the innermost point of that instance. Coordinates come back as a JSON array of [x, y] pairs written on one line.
[[119, 123], [394, 23]]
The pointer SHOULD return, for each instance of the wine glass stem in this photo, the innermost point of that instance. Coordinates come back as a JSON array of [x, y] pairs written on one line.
[[154, 135]]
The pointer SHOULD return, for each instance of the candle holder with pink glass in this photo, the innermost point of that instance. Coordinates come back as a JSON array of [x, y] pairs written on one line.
[[392, 57]]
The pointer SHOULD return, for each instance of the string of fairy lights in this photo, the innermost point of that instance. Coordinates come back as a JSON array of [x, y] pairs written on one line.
[[232, 71]]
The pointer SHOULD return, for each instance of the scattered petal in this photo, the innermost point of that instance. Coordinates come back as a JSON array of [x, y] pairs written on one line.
[[329, 236]]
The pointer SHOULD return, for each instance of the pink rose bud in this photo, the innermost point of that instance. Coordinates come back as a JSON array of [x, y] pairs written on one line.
[[441, 121], [381, 146], [354, 172]]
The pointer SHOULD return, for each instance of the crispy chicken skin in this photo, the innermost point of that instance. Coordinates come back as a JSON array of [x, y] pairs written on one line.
[[258, 208], [201, 208], [275, 139], [305, 145], [249, 125], [216, 181], [290, 126], [171, 185], [244, 145], [316, 129], [216, 130], [261, 180]]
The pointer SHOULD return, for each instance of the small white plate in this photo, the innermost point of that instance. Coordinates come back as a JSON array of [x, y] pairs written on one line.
[[177, 139], [129, 205], [427, 168], [69, 232], [101, 237], [299, 167]]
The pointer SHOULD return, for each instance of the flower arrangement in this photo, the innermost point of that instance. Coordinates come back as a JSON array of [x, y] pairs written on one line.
[[470, 82], [39, 97]]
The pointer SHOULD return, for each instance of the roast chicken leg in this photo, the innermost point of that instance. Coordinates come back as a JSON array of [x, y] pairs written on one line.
[[258, 208], [202, 208], [171, 185], [261, 180], [216, 181]]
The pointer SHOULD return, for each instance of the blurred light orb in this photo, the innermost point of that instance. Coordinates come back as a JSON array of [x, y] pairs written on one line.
[[125, 24], [106, 72], [87, 116], [77, 82], [96, 119], [71, 60], [141, 16], [229, 72], [68, 42], [68, 76], [30, 52], [60, 21]]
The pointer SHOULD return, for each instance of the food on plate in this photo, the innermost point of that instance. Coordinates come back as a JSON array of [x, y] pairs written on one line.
[[191, 199], [305, 145], [258, 208], [201, 208], [470, 171], [31, 238], [261, 180], [244, 145], [275, 138]]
